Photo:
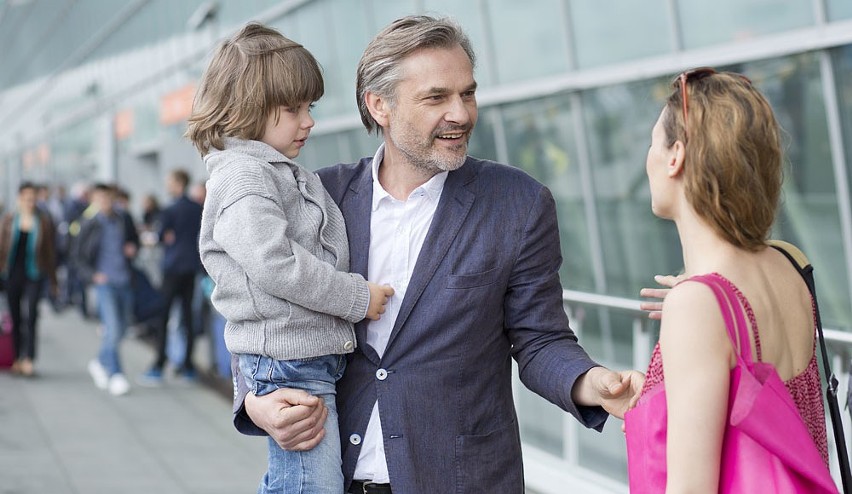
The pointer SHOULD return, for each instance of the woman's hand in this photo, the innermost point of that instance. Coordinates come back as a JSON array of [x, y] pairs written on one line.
[[655, 308]]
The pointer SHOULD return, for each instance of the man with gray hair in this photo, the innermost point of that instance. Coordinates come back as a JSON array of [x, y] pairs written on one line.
[[472, 249]]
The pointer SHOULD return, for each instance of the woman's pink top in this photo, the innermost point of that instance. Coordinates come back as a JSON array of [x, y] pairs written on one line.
[[805, 387]]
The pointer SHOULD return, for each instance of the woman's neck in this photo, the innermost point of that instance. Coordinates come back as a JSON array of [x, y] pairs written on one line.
[[704, 251]]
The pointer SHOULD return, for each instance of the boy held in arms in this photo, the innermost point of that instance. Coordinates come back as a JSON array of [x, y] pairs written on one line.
[[273, 240]]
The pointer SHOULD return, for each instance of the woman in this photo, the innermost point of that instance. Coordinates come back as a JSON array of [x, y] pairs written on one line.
[[27, 258], [715, 169]]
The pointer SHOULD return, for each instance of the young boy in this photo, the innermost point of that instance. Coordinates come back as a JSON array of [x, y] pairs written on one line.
[[274, 242]]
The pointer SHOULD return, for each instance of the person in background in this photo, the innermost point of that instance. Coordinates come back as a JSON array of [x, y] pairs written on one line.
[[715, 168], [150, 213], [78, 210], [180, 224], [104, 250], [198, 192], [27, 259], [122, 198], [472, 249]]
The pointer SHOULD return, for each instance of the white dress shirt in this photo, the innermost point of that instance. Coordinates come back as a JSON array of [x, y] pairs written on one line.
[[397, 231]]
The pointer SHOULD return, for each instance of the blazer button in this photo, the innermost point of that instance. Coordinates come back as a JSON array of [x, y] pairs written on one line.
[[355, 439], [381, 374], [349, 345]]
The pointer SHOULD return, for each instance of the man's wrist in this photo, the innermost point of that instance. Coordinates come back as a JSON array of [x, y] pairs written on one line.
[[584, 392]]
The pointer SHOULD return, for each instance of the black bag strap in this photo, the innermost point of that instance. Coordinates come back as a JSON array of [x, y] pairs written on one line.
[[800, 261]]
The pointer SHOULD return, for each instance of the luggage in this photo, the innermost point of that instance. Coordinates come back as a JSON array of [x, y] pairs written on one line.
[[7, 342]]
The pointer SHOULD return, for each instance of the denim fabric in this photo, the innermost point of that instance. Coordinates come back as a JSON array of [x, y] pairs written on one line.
[[320, 469], [115, 302]]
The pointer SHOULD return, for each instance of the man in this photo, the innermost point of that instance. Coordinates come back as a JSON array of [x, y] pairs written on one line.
[[472, 249], [179, 227], [105, 246]]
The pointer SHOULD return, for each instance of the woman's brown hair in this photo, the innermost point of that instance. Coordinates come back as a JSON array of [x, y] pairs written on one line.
[[251, 75], [733, 157]]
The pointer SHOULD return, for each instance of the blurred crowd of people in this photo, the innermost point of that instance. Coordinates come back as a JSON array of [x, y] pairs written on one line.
[[143, 267]]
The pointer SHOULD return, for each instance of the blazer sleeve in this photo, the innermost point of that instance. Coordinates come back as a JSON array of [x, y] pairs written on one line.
[[549, 357]]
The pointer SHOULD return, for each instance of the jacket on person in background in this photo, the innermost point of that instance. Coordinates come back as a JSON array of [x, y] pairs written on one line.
[[41, 251], [87, 245], [183, 218]]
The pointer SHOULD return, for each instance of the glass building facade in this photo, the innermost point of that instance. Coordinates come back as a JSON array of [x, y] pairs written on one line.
[[569, 92]]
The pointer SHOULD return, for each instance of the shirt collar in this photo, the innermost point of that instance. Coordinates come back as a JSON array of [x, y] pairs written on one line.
[[432, 188]]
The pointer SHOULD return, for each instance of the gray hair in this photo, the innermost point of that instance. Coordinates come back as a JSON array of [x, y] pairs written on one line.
[[379, 70]]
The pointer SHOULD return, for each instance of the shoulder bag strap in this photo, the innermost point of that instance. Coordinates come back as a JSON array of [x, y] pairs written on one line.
[[803, 266]]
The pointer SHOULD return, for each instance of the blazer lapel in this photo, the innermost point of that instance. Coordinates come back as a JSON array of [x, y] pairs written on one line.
[[356, 207], [453, 207]]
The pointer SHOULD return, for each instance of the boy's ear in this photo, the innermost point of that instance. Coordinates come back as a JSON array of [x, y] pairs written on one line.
[[378, 108]]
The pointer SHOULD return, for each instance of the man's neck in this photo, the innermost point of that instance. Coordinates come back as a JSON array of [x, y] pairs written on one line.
[[399, 177]]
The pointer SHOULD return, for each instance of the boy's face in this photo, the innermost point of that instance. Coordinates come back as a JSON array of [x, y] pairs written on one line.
[[288, 129]]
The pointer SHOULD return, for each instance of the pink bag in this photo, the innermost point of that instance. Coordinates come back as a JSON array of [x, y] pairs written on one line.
[[766, 448]]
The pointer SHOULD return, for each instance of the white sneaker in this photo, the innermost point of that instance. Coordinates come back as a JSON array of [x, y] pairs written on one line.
[[98, 373], [118, 385]]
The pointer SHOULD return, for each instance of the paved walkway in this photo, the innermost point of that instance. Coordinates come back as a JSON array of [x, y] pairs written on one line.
[[59, 434]]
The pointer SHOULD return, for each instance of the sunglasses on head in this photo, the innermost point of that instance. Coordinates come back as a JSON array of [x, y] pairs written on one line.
[[693, 75]]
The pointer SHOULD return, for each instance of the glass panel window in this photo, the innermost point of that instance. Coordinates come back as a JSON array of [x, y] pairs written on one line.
[[636, 244], [809, 215], [708, 23], [482, 143], [540, 140], [603, 39], [383, 12], [839, 9], [469, 16], [530, 38]]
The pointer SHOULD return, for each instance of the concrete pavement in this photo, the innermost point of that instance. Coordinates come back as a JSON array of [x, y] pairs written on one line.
[[59, 434]]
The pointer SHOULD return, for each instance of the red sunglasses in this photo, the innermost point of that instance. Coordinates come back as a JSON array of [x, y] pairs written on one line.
[[694, 75]]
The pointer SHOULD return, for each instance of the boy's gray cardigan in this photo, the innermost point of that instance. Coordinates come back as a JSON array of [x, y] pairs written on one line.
[[275, 244]]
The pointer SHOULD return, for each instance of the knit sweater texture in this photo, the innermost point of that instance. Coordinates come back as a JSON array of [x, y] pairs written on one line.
[[275, 245]]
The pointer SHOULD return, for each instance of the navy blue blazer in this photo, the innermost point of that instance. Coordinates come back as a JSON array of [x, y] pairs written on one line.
[[485, 289], [183, 217]]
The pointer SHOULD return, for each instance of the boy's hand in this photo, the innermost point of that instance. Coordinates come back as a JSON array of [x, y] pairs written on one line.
[[379, 295]]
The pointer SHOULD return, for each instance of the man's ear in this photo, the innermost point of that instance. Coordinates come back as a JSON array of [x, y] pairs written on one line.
[[378, 108], [675, 165]]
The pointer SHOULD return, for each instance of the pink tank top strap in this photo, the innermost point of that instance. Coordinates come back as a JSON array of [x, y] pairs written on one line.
[[732, 313]]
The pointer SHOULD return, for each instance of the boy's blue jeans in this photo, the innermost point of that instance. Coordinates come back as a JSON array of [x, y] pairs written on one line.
[[320, 469]]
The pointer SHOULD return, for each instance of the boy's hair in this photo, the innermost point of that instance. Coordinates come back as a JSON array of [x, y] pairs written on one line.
[[251, 76]]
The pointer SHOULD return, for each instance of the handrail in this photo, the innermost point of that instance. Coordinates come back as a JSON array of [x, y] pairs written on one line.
[[632, 305]]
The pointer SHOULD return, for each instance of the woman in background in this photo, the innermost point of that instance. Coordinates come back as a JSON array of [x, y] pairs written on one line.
[[27, 259]]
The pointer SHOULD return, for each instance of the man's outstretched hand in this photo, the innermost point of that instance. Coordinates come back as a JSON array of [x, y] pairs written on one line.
[[616, 392]]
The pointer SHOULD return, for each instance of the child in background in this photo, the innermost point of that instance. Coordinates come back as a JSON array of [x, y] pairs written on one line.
[[274, 242]]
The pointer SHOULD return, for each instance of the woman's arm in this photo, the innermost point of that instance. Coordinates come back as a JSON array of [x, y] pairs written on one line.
[[697, 356]]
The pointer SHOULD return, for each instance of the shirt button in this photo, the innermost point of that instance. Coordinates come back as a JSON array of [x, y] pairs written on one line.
[[349, 345], [381, 374], [355, 439]]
